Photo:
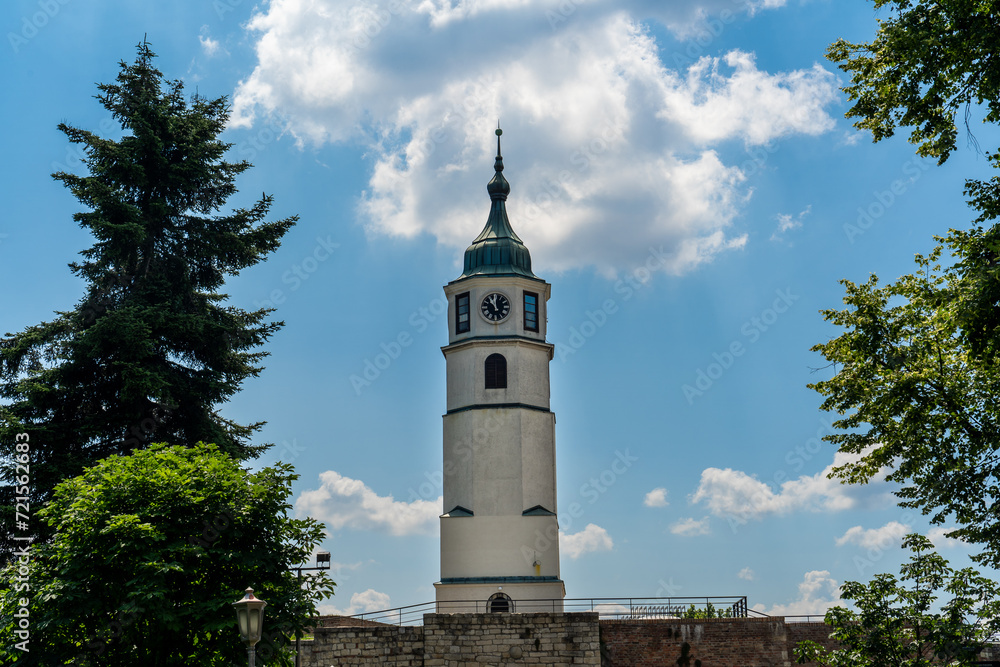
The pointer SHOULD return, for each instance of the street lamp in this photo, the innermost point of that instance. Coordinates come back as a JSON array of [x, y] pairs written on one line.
[[250, 616], [322, 563]]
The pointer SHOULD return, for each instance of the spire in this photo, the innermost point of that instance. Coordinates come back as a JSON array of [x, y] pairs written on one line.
[[497, 250], [498, 187]]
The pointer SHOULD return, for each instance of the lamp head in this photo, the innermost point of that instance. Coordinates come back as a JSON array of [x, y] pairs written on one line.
[[250, 617]]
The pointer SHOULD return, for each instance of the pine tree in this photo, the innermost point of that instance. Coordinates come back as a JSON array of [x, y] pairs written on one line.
[[151, 350]]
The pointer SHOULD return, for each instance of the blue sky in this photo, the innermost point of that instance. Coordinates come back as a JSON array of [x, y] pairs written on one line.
[[684, 178]]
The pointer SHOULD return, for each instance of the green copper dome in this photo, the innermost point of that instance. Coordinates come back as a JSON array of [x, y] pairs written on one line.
[[497, 250]]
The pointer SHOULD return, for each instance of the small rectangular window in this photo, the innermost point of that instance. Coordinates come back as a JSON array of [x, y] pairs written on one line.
[[530, 311], [462, 321]]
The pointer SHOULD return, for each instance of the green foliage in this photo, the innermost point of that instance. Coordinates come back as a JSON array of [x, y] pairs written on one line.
[[929, 61], [917, 377], [151, 349], [917, 400], [708, 612], [902, 624], [149, 551]]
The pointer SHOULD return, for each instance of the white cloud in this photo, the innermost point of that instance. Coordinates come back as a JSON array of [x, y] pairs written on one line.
[[937, 536], [591, 538], [342, 502], [737, 496], [601, 135], [891, 534], [787, 223], [208, 45], [817, 593], [690, 527], [712, 104], [746, 573], [369, 600], [656, 498]]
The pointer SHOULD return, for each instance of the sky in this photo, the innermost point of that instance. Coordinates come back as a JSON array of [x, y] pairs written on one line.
[[684, 178]]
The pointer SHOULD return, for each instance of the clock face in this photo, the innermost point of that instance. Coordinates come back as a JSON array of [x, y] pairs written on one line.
[[495, 307]]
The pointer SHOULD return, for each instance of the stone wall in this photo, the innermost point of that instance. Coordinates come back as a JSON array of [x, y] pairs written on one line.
[[464, 640], [363, 646], [715, 642], [457, 640]]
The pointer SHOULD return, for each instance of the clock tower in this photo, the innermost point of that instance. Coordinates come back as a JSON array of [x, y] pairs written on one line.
[[499, 530]]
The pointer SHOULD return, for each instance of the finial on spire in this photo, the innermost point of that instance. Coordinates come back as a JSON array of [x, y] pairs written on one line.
[[498, 187], [498, 165]]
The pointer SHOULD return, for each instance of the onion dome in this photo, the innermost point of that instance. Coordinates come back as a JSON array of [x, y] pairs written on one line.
[[497, 250]]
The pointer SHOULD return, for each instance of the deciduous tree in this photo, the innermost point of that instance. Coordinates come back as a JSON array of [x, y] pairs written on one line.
[[932, 615], [148, 553]]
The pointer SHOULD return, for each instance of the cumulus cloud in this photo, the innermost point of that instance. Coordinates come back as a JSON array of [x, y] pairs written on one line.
[[601, 134], [817, 593], [746, 573], [208, 45], [690, 527], [342, 502], [937, 536], [591, 538], [891, 534], [737, 496], [656, 498], [369, 600], [787, 223]]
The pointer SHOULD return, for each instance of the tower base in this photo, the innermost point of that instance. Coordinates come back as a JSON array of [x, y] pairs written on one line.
[[500, 594]]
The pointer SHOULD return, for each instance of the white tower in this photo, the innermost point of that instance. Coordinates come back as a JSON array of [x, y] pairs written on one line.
[[499, 532]]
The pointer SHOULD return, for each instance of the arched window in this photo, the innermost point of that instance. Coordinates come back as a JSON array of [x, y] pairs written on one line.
[[496, 372], [500, 603]]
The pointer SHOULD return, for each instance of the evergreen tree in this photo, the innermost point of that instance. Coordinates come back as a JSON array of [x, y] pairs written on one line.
[[151, 350]]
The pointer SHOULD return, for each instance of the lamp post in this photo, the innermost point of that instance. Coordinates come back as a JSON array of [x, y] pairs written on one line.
[[250, 616], [322, 563]]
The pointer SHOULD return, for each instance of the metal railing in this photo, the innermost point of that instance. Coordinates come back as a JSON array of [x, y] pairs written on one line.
[[725, 606]]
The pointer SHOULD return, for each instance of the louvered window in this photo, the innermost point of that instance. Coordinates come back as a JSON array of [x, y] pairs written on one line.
[[496, 372]]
